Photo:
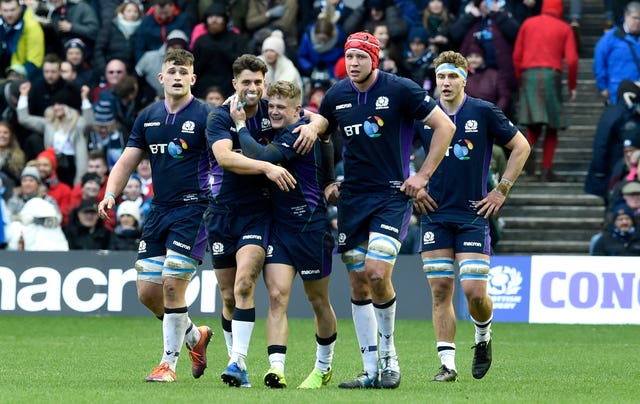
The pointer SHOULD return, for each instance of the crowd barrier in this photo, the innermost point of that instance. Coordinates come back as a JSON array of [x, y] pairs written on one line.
[[533, 289]]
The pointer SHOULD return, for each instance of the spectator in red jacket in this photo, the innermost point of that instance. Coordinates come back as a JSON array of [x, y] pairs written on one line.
[[542, 44]]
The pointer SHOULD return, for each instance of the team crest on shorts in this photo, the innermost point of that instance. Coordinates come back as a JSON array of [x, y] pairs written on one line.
[[217, 248], [342, 238], [428, 238]]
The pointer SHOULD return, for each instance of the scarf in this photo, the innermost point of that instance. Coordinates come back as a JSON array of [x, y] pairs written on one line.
[[623, 235], [128, 28]]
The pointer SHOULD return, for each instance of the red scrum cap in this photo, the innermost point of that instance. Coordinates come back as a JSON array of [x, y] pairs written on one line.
[[365, 42]]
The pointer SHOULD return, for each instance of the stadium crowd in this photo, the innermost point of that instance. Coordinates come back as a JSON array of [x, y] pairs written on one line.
[[76, 73]]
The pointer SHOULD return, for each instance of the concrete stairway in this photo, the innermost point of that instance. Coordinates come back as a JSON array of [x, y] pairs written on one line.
[[559, 218]]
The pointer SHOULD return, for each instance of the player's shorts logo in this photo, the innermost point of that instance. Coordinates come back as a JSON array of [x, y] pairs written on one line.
[[462, 149], [269, 250], [217, 248], [372, 126], [176, 147], [342, 238], [428, 238], [142, 247]]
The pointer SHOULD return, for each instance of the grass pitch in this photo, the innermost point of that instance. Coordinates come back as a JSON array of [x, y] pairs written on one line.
[[105, 360]]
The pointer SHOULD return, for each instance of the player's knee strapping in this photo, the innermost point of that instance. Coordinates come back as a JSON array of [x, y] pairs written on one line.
[[179, 266], [150, 269], [383, 248], [438, 267], [354, 259], [474, 269]]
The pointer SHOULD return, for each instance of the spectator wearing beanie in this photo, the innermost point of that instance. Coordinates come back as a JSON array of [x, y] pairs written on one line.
[[85, 230], [75, 53], [47, 164], [150, 64], [280, 67], [622, 237], [91, 186], [419, 58], [485, 82], [105, 134], [30, 187], [128, 231]]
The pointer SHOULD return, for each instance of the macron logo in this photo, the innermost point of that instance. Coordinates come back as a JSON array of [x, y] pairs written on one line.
[[148, 124], [343, 106]]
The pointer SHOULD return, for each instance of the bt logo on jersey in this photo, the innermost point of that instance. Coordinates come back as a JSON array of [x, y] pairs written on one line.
[[462, 149], [371, 127], [175, 148], [352, 130]]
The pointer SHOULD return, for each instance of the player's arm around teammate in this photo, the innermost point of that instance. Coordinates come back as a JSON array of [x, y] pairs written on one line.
[[298, 254]]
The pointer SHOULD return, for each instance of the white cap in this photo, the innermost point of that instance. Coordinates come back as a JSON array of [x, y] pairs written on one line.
[[129, 208]]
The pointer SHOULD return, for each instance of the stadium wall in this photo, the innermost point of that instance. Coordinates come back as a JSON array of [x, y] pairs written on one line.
[[536, 289]]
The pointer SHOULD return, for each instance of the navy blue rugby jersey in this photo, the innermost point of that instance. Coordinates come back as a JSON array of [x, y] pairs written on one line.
[[460, 180], [178, 149], [377, 126], [229, 188], [303, 208]]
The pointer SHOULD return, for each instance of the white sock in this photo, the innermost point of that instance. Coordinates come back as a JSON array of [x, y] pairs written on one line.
[[483, 329], [324, 352], [386, 318], [364, 320], [192, 335], [228, 339], [447, 354], [174, 326], [228, 335], [276, 360], [242, 331]]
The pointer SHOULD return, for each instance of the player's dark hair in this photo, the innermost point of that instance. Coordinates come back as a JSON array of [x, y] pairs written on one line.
[[451, 57], [180, 57], [249, 62]]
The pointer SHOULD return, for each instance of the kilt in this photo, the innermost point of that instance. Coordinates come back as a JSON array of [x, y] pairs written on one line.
[[540, 100]]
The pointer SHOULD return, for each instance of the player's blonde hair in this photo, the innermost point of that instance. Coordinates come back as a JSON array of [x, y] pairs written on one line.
[[452, 58], [285, 89]]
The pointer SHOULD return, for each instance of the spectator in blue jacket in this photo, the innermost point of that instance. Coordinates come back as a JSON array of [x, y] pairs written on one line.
[[320, 48], [617, 54], [614, 126], [163, 17]]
